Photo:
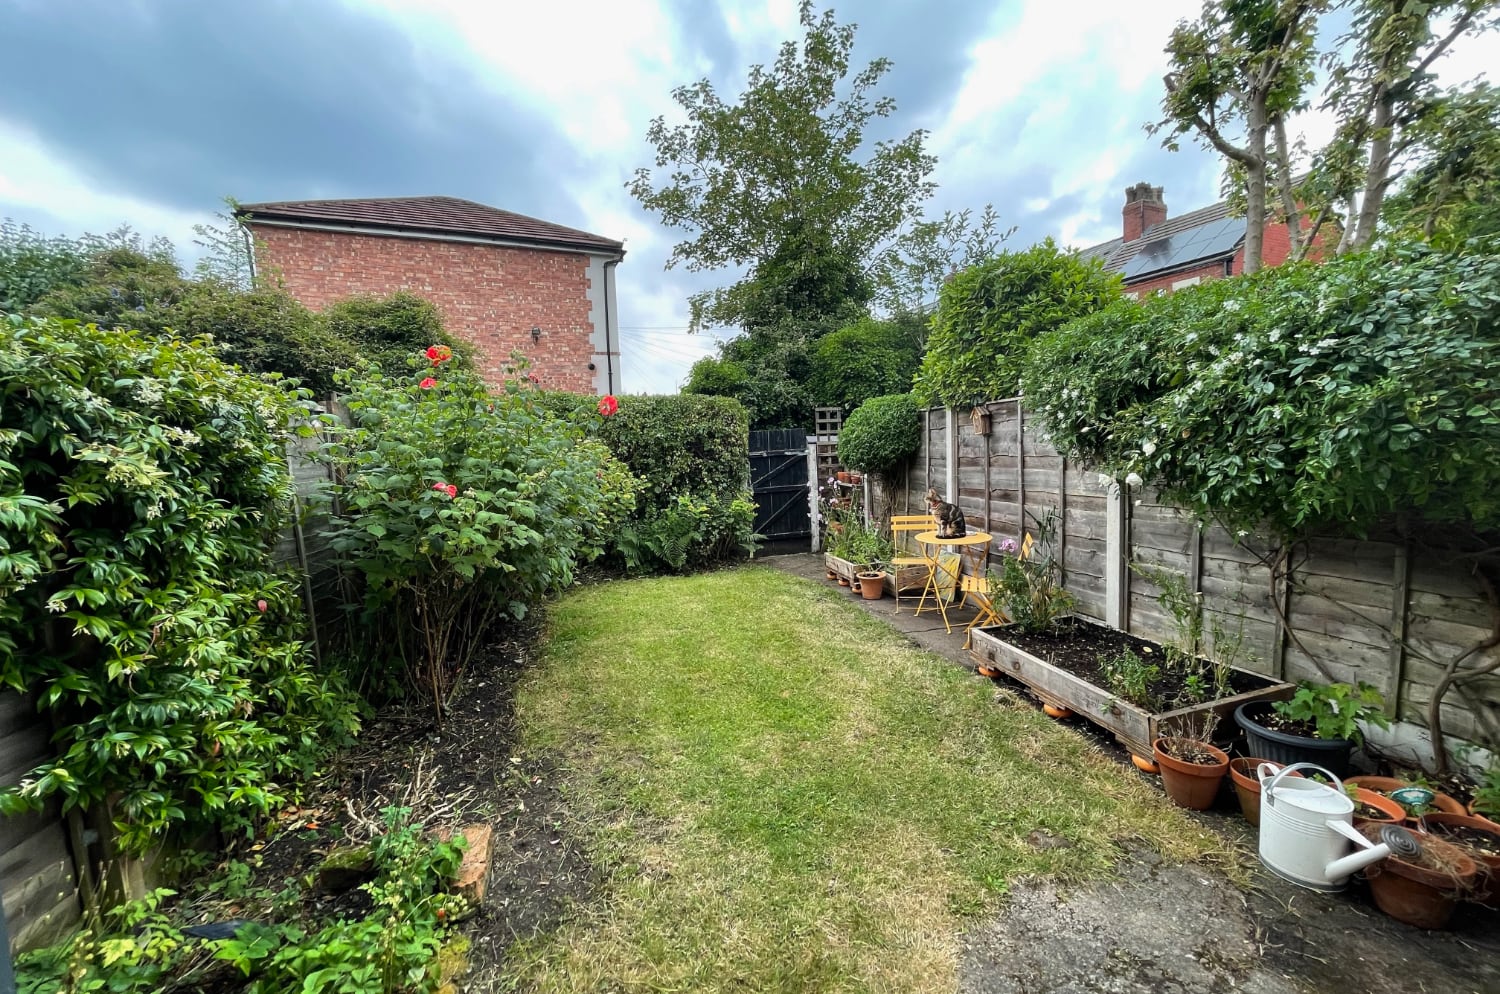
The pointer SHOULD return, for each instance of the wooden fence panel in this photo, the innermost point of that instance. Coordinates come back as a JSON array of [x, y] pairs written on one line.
[[1368, 610], [37, 879]]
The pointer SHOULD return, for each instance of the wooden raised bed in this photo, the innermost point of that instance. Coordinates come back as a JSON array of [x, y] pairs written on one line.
[[1134, 727], [910, 578]]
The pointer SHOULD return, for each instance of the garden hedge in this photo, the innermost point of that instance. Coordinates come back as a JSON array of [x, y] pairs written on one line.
[[1309, 397]]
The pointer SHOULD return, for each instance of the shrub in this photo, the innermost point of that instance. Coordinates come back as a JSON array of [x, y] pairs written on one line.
[[33, 265], [1306, 397], [989, 314], [265, 330], [142, 483], [459, 507], [392, 331], [882, 435], [869, 358], [692, 456]]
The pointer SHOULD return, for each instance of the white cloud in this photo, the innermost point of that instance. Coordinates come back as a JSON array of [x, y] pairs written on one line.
[[33, 179]]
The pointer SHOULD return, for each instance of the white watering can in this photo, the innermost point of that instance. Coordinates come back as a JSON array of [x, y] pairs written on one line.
[[1306, 829]]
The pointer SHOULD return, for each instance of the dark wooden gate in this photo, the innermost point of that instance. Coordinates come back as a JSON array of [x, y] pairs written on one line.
[[778, 476]]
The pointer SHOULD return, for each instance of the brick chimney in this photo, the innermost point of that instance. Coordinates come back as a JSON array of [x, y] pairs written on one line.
[[1143, 208]]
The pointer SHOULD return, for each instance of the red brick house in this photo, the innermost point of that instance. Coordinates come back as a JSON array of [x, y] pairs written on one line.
[[502, 281], [1155, 252]]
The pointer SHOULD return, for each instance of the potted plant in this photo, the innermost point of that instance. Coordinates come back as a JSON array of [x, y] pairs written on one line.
[[1319, 724], [1415, 797], [1479, 838], [1192, 768], [1242, 772], [871, 584], [1423, 889]]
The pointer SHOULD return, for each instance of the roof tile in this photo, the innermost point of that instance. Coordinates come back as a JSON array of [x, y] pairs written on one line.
[[429, 215]]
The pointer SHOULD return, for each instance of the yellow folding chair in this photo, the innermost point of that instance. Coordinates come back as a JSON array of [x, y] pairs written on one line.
[[903, 526], [976, 591]]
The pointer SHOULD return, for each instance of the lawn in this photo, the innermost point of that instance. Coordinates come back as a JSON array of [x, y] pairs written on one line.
[[783, 794]]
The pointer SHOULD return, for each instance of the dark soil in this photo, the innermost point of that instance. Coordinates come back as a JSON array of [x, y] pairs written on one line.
[[1188, 751], [466, 770], [1370, 812], [1473, 840], [1077, 646]]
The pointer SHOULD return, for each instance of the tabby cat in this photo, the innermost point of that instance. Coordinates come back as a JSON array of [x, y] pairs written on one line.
[[950, 520]]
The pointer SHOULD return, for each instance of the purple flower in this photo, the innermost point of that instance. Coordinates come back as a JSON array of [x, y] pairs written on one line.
[[1008, 547]]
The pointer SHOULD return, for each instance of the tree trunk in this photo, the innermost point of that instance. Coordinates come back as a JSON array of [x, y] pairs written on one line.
[[1377, 173], [1288, 196], [1255, 183]]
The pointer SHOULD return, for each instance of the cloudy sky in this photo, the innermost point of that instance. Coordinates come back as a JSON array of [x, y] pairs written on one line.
[[150, 112]]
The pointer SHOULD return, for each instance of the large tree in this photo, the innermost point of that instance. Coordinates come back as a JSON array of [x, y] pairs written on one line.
[[1236, 74], [1244, 68], [1383, 91], [786, 185]]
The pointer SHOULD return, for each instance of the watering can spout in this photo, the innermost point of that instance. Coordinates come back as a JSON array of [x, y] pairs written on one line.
[[1360, 858]]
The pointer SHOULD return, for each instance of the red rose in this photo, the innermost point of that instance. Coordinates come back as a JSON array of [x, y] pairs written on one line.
[[608, 405], [452, 490], [262, 605], [428, 383], [439, 353]]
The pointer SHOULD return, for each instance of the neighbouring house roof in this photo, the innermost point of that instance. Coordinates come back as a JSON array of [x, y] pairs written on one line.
[[433, 217], [1181, 242]]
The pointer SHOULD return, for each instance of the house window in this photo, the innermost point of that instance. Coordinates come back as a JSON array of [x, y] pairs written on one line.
[[1190, 281]]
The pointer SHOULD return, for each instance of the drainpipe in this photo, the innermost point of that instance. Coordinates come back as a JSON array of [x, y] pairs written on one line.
[[609, 350]]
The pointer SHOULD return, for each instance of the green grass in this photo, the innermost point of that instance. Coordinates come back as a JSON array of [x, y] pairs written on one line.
[[786, 796]]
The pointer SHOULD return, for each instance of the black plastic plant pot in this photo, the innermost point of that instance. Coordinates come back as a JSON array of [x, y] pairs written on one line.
[[1283, 748]]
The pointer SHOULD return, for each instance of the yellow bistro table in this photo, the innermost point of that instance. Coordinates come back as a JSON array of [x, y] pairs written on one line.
[[975, 542]]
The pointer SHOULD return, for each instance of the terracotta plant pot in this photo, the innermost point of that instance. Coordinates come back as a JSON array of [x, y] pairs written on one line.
[[1384, 785], [832, 575], [843, 581], [1053, 711], [1247, 785], [1419, 894], [1391, 813], [1487, 883], [843, 477], [1191, 785], [872, 585], [1145, 765], [987, 670]]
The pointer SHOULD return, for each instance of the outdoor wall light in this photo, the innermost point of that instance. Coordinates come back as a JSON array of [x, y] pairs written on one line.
[[536, 335]]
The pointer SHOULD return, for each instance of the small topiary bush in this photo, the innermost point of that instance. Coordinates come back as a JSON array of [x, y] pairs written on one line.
[[869, 358], [882, 435], [989, 315], [142, 486]]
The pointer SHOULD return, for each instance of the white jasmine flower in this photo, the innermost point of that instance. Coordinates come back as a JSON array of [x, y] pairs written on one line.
[[1133, 480], [1148, 447]]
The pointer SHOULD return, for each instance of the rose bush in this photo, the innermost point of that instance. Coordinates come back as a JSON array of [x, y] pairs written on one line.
[[458, 507]]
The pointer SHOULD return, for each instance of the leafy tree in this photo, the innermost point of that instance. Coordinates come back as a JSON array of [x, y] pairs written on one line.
[[1383, 94], [868, 358], [766, 371], [749, 179], [227, 257], [1453, 195], [787, 183], [1236, 73], [988, 315], [882, 435]]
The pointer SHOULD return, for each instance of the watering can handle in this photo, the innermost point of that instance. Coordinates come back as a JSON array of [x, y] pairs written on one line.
[[1264, 770]]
